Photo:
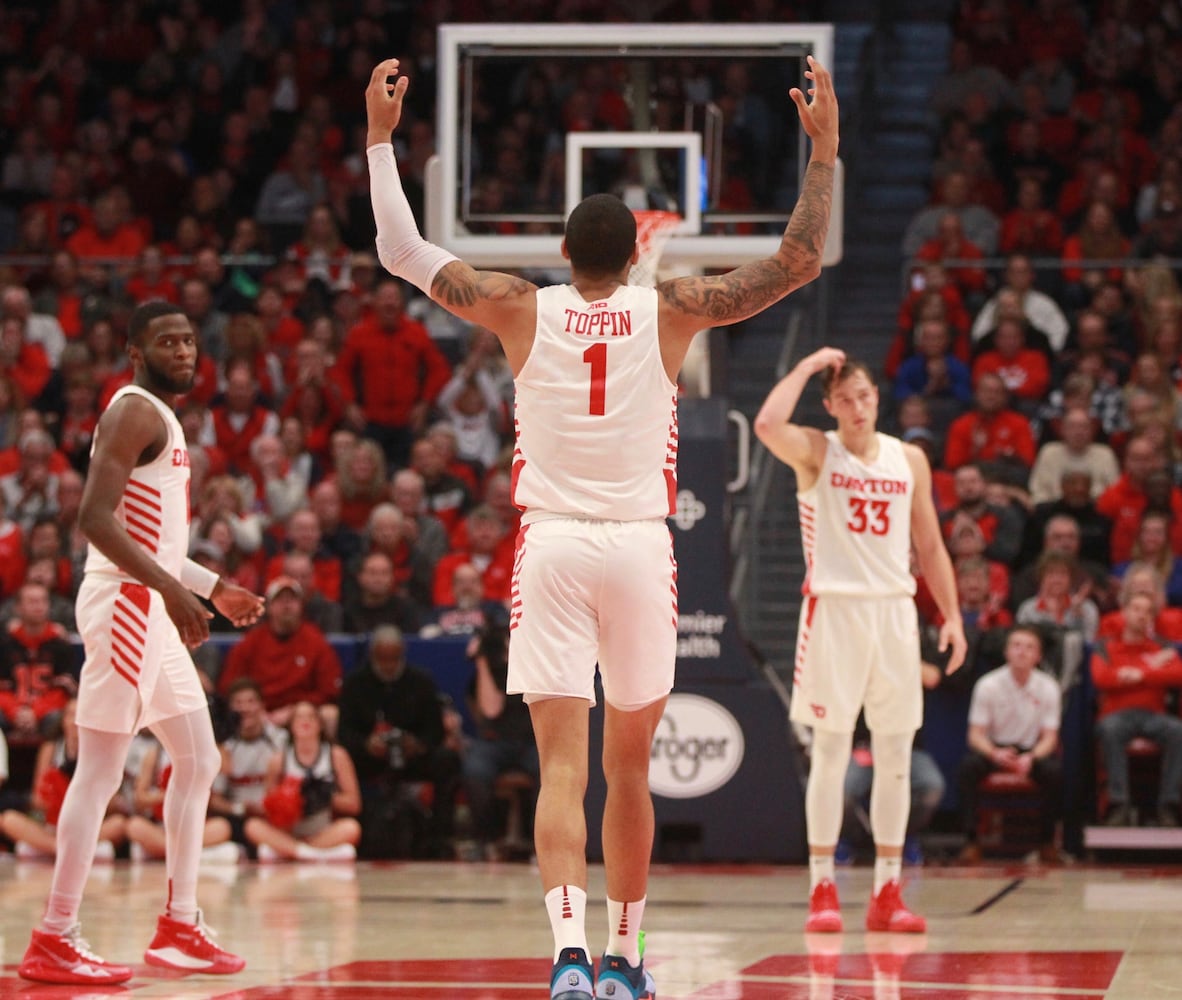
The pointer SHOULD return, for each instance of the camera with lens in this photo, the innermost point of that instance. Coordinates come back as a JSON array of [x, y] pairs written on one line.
[[394, 753]]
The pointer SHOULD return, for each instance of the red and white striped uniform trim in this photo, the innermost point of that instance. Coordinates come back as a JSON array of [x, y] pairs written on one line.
[[515, 606], [141, 514], [129, 631]]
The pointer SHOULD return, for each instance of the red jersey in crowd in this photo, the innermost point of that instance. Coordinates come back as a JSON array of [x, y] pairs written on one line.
[[1124, 503], [388, 372], [1160, 666], [974, 437], [301, 667]]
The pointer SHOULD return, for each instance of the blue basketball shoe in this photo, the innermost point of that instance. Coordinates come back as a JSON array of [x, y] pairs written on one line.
[[572, 977], [620, 981]]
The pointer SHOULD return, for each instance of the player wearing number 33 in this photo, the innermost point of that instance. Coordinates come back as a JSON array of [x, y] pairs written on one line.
[[865, 499], [595, 364]]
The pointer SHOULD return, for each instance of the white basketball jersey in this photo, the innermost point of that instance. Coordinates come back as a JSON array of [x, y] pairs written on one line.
[[596, 415], [154, 509], [855, 522]]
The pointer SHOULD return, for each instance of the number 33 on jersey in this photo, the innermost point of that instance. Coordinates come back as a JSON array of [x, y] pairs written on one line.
[[855, 523]]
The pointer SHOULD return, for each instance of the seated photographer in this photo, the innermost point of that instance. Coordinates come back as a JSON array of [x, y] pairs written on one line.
[[392, 724], [504, 740]]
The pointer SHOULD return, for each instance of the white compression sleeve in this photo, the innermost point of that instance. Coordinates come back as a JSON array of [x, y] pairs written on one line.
[[401, 248], [197, 578]]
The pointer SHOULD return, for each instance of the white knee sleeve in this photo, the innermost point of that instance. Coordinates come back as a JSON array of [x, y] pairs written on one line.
[[824, 800], [890, 794]]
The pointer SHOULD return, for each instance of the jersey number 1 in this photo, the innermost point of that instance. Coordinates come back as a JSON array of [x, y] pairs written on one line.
[[872, 514], [596, 357]]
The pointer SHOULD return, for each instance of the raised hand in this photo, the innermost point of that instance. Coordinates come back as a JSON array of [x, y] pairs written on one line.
[[383, 101], [820, 116]]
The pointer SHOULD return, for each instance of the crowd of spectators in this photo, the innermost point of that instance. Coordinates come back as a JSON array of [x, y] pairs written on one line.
[[349, 441], [1038, 361]]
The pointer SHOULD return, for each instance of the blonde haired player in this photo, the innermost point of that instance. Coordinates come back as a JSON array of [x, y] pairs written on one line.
[[595, 365], [864, 499]]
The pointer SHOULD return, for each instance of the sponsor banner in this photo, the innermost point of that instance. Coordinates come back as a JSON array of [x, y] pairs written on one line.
[[697, 749]]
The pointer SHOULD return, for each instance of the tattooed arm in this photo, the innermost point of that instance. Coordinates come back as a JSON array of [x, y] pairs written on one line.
[[503, 303], [691, 304]]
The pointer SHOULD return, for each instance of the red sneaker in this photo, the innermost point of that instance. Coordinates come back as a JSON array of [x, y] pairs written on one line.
[[887, 912], [824, 909], [66, 958], [189, 948]]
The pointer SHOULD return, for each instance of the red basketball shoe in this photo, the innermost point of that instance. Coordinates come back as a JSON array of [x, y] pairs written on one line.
[[189, 948], [824, 909], [887, 912], [67, 959]]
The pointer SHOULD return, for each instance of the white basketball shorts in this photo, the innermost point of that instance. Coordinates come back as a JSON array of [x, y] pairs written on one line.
[[855, 652], [587, 591], [136, 671]]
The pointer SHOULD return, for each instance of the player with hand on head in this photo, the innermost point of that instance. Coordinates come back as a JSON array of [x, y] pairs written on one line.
[[595, 364], [865, 499], [137, 611]]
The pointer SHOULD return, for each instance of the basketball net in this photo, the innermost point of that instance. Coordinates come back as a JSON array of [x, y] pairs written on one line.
[[653, 229]]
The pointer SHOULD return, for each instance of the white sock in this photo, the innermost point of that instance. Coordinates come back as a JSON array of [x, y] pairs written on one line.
[[567, 906], [623, 929], [886, 869], [820, 869], [306, 852]]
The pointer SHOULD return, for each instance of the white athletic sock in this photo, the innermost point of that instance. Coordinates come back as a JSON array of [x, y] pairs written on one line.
[[623, 929], [820, 869], [886, 869], [567, 906]]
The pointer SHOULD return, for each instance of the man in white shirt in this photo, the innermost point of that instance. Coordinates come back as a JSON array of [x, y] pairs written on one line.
[[1040, 310], [1014, 727]]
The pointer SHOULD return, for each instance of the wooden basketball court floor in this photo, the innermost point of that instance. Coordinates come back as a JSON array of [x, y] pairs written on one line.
[[440, 931]]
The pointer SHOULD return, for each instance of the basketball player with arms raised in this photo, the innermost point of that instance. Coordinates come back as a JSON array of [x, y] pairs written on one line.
[[595, 365], [137, 613], [865, 498]]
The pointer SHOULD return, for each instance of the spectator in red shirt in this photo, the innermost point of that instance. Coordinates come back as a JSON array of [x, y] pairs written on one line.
[[1144, 478], [284, 331], [289, 659], [150, 280], [239, 417], [392, 372], [304, 535], [1000, 526], [65, 211], [22, 361], [1097, 238], [1142, 578], [1023, 370], [950, 243], [1131, 675], [1030, 227], [38, 668], [362, 482], [992, 433], [105, 236], [489, 549]]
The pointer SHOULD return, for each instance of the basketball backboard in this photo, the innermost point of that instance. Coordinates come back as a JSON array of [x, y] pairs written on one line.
[[695, 118]]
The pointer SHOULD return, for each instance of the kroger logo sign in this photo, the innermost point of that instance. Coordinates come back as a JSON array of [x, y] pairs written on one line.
[[697, 749]]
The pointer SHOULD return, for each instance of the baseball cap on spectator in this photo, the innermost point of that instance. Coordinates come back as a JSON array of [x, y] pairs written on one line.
[[282, 583]]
